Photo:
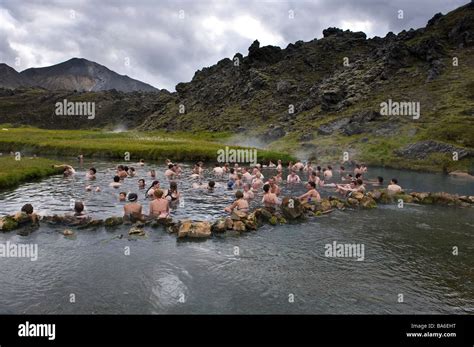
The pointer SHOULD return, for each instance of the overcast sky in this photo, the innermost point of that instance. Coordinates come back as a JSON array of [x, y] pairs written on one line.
[[163, 42]]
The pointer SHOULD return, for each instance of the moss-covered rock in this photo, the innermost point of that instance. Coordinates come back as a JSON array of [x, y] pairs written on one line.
[[367, 202], [113, 221], [8, 223]]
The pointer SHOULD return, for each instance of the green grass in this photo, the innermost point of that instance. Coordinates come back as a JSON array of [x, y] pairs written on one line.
[[14, 172], [153, 145]]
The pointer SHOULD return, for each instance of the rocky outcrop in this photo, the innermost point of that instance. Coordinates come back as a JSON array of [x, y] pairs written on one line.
[[423, 149]]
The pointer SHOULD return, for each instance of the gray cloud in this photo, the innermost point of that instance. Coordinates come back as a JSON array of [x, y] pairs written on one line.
[[163, 49]]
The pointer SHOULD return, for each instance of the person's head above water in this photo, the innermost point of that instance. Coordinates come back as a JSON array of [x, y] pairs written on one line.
[[92, 171], [122, 196], [359, 182], [312, 185], [394, 181], [170, 166], [78, 207], [27, 208], [158, 193], [380, 179], [266, 188], [246, 187], [239, 194], [116, 179], [173, 186], [132, 197], [211, 184]]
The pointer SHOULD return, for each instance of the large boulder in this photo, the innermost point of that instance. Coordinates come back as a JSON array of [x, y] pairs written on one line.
[[292, 208], [190, 229]]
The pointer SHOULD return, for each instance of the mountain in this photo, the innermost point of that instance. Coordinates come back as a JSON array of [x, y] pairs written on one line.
[[82, 75], [10, 78], [319, 99]]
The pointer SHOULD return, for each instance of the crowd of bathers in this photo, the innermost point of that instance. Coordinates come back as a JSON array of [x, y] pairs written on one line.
[[248, 182]]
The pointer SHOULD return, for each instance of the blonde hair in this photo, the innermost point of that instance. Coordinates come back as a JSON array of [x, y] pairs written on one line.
[[158, 193]]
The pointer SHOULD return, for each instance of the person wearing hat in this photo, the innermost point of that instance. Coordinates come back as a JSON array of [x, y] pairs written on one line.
[[133, 210]]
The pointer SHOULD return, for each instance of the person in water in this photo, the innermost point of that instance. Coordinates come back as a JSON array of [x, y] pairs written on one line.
[[210, 186], [240, 204], [159, 207], [131, 172], [121, 172], [218, 171], [141, 183], [116, 183], [133, 210], [68, 170], [269, 199], [79, 212], [393, 187], [90, 175], [248, 193], [169, 173], [122, 196], [257, 182], [274, 188], [311, 195], [151, 191], [172, 193], [26, 215], [293, 178], [152, 173], [141, 162]]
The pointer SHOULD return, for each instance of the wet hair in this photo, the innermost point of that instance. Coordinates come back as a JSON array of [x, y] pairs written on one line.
[[358, 166], [380, 179], [132, 168], [318, 168], [359, 182], [93, 170], [27, 208], [123, 193], [394, 180], [132, 197], [342, 168], [158, 193], [358, 175], [142, 161], [313, 173], [231, 170], [120, 167], [78, 207], [266, 188], [152, 185], [125, 168], [312, 184], [141, 179], [211, 184], [173, 186], [170, 166], [239, 194], [116, 179], [329, 167]]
